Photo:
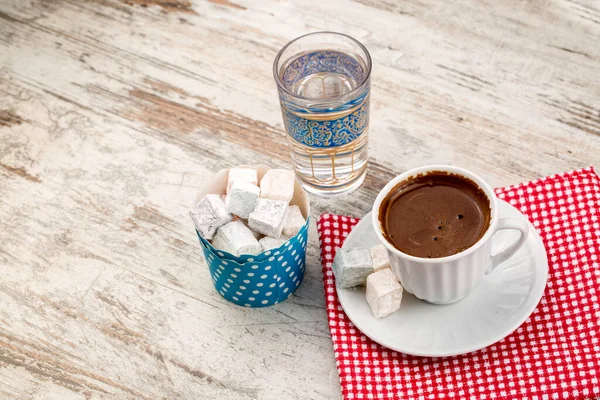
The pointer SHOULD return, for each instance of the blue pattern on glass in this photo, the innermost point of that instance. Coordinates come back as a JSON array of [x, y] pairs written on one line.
[[268, 280], [329, 133]]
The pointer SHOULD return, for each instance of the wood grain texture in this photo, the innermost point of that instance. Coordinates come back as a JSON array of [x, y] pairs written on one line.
[[114, 112]]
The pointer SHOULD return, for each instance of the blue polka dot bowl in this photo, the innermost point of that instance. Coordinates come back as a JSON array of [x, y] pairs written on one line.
[[264, 282], [258, 280]]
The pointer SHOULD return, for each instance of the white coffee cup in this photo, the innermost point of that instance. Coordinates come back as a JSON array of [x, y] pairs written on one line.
[[448, 279]]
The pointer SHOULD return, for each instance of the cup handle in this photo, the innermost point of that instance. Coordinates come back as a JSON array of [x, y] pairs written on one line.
[[509, 223]]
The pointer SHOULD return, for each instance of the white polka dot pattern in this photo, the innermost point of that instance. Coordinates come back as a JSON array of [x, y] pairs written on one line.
[[265, 280], [555, 354]]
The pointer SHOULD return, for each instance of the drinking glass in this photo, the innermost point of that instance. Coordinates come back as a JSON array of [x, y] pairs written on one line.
[[323, 80]]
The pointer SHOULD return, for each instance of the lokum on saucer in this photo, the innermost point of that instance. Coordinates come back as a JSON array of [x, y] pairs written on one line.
[[384, 293], [351, 267], [380, 257]]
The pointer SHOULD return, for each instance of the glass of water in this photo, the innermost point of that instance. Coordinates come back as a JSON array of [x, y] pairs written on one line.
[[323, 80]]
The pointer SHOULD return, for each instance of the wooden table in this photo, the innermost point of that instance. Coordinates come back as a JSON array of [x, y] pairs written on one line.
[[114, 112]]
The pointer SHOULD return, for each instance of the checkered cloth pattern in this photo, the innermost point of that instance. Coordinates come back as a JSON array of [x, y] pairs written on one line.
[[555, 354]]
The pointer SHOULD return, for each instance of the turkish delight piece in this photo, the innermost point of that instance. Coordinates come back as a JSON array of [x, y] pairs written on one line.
[[268, 217], [383, 293], [210, 214], [241, 174], [278, 184], [242, 198], [352, 267], [380, 257], [269, 243], [294, 221], [236, 238]]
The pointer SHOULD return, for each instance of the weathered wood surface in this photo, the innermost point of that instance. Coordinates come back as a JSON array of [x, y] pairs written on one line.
[[113, 112]]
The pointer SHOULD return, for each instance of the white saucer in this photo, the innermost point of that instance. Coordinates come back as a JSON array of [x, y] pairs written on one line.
[[496, 307]]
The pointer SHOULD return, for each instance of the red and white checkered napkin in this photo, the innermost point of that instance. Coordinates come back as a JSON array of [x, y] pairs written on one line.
[[555, 354]]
